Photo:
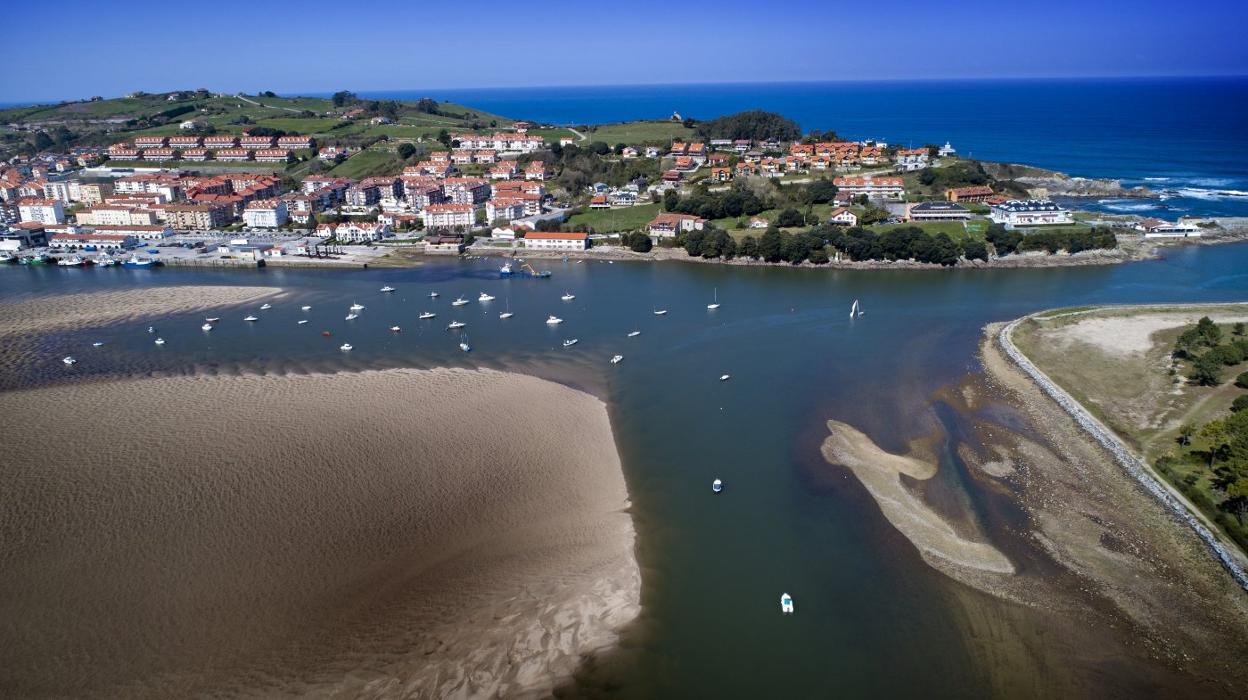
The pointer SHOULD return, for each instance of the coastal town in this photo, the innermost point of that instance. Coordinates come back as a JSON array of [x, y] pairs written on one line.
[[195, 194]]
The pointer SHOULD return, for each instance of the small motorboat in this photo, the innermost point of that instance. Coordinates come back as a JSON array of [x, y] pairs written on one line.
[[553, 320], [68, 359], [357, 307], [265, 307], [617, 359], [570, 342], [326, 333], [459, 302], [717, 486], [303, 322], [212, 319], [427, 315], [96, 344], [505, 270], [160, 341], [568, 296], [433, 295], [786, 603], [304, 308], [386, 289], [660, 312], [206, 327], [506, 315], [455, 324], [251, 319], [483, 297], [352, 317], [725, 377], [634, 334], [395, 329], [151, 329], [345, 347]]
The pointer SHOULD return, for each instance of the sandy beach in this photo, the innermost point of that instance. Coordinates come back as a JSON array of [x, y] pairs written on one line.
[[446, 533]]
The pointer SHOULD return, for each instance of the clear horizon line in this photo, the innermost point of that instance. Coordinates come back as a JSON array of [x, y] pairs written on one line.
[[319, 92]]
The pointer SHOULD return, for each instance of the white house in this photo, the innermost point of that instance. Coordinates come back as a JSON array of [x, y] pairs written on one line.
[[911, 159], [872, 187], [937, 211], [538, 240], [44, 211], [1157, 228], [1030, 212], [843, 217], [265, 213]]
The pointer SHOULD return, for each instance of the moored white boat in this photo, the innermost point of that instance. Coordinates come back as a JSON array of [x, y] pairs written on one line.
[[160, 341], [786, 603], [506, 315], [714, 304], [357, 307], [345, 347], [717, 486], [568, 296], [206, 327], [251, 318], [660, 312], [265, 307], [433, 295], [395, 329], [634, 334], [212, 319], [617, 359], [553, 320], [302, 321], [459, 302], [570, 342], [426, 314], [386, 289], [725, 377], [352, 317], [464, 346], [68, 359], [505, 270], [455, 324], [96, 344], [483, 297], [305, 307]]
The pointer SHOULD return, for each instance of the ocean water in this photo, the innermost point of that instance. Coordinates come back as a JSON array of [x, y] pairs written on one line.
[[873, 619], [1186, 138]]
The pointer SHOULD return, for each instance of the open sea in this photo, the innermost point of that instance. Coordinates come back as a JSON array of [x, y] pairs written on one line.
[[1186, 138]]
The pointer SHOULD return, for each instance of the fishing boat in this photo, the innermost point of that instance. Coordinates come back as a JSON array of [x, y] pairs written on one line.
[[426, 315], [352, 317], [854, 310], [345, 347], [634, 334], [617, 359], [714, 304], [303, 322], [786, 603], [387, 289], [455, 324], [357, 307], [251, 319], [71, 261], [206, 327], [36, 259], [570, 342], [717, 486], [553, 320], [68, 359], [483, 297], [5, 258], [304, 308], [433, 295], [136, 261], [395, 329], [725, 377], [160, 341], [212, 319], [505, 270], [104, 261], [459, 302], [568, 296]]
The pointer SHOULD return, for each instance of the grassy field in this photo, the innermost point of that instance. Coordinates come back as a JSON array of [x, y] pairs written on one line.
[[616, 220], [956, 230], [368, 163], [639, 132]]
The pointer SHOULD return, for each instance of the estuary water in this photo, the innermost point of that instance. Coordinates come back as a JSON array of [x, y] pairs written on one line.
[[872, 618]]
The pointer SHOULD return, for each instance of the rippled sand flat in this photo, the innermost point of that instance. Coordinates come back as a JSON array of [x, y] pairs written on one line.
[[400, 532]]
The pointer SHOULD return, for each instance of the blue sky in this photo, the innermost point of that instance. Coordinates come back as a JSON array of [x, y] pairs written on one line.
[[102, 48]]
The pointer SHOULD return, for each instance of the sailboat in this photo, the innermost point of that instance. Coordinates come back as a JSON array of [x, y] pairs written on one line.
[[568, 296], [854, 310], [357, 307], [507, 314], [715, 304], [463, 344], [634, 334]]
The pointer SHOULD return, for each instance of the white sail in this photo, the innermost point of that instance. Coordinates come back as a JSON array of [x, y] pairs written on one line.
[[853, 311]]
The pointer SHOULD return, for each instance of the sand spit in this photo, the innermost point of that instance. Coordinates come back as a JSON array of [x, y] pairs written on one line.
[[881, 473], [406, 533], [1129, 334], [21, 316]]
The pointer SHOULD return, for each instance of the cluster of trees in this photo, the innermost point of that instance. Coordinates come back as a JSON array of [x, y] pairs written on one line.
[[708, 243], [342, 98], [1202, 346], [738, 200], [904, 243], [638, 242], [1007, 242], [1214, 473], [756, 125], [961, 173], [775, 245]]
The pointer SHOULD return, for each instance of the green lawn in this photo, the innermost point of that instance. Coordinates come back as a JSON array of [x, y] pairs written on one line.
[[640, 132], [366, 164], [616, 220], [954, 229]]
